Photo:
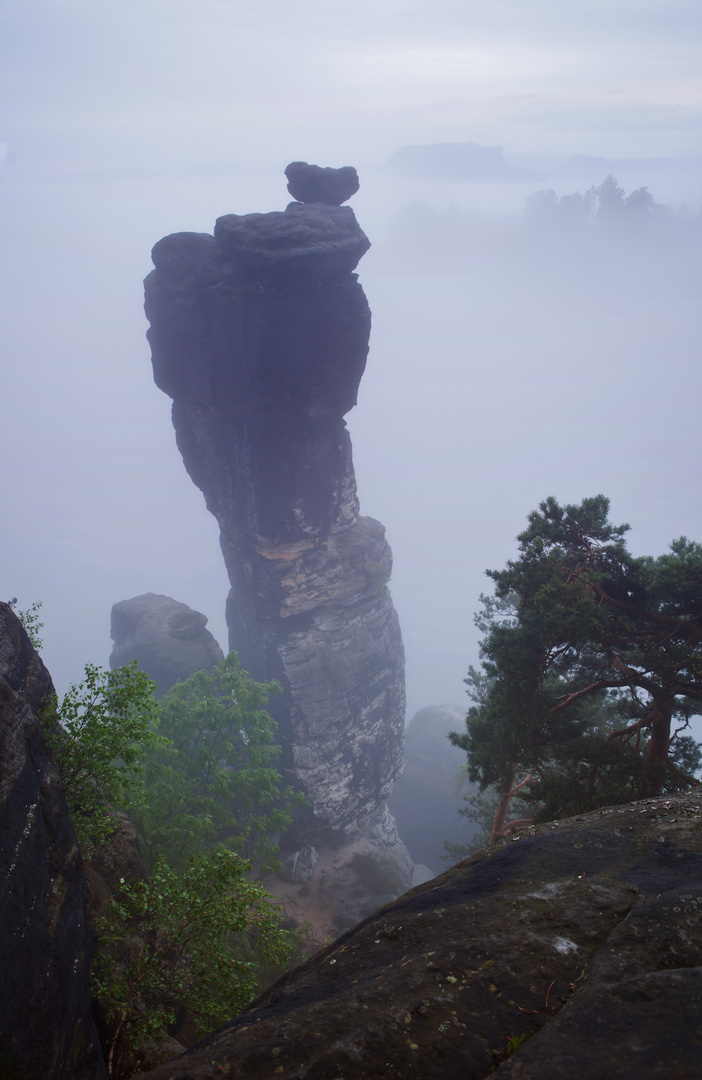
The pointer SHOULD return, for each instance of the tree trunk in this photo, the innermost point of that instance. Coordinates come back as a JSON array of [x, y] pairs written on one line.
[[659, 741], [499, 823]]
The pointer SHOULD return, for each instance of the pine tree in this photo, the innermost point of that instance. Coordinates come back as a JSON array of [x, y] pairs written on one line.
[[594, 665]]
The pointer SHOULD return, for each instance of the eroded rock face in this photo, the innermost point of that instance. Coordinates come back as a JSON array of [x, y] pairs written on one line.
[[353, 874], [46, 1028], [260, 335], [582, 937], [169, 639]]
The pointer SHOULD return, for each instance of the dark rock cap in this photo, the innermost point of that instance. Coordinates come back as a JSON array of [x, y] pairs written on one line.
[[311, 183], [318, 239]]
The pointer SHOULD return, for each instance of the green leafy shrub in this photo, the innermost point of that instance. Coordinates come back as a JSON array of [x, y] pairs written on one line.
[[193, 772], [212, 779], [97, 738], [30, 621], [195, 938]]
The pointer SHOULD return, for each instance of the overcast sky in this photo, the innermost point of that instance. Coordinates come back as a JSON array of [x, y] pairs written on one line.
[[492, 382], [93, 83]]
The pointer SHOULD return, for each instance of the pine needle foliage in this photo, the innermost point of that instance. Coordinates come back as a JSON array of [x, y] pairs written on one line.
[[591, 666]]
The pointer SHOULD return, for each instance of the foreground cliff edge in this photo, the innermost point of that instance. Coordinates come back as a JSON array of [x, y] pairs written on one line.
[[46, 1027], [577, 947]]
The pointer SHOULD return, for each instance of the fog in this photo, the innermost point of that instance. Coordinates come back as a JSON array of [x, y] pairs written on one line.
[[510, 360]]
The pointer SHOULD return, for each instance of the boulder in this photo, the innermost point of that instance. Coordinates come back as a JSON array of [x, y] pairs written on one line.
[[310, 183], [169, 639], [299, 867], [46, 1027], [574, 950]]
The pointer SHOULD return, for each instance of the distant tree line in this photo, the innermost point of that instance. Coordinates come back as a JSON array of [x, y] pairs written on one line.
[[605, 207], [604, 211]]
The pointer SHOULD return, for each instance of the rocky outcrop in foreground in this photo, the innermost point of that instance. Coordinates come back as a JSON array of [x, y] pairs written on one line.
[[46, 1027], [259, 334], [573, 951], [168, 639]]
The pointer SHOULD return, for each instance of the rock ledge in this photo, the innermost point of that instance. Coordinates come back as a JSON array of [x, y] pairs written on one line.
[[583, 937]]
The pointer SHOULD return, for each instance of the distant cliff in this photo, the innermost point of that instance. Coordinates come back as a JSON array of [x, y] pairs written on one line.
[[259, 334]]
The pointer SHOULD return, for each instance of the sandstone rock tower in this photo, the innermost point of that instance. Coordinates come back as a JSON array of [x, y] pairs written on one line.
[[168, 639], [259, 334]]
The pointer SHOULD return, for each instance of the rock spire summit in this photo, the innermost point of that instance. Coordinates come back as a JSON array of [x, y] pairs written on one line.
[[310, 183]]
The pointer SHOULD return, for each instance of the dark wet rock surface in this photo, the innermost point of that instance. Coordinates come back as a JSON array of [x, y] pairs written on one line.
[[303, 239], [583, 938], [46, 1027]]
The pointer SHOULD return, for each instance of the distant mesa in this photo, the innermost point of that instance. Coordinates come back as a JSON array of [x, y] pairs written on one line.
[[457, 161], [312, 183]]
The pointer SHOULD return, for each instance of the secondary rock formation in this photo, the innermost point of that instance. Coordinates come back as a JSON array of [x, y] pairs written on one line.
[[260, 333], [169, 639], [309, 183], [424, 800], [575, 951], [46, 1028]]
